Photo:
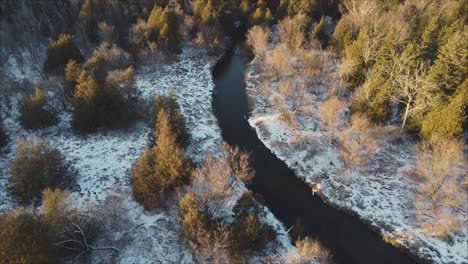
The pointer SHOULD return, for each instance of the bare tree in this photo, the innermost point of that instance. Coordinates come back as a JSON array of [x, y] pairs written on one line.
[[357, 143], [239, 161], [441, 166], [106, 32], [211, 246], [408, 84], [329, 113], [292, 32], [279, 62], [257, 39], [73, 231], [358, 12], [213, 182]]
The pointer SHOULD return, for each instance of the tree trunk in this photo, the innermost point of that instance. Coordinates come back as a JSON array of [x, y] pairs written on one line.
[[404, 118]]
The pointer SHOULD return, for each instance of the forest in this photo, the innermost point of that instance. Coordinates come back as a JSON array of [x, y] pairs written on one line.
[[112, 149]]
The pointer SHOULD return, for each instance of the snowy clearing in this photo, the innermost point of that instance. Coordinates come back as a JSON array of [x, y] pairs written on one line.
[[104, 160]]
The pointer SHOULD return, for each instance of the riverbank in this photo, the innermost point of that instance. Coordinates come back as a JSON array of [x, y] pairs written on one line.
[[104, 160], [381, 195]]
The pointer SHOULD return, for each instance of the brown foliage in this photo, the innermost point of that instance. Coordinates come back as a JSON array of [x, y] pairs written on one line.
[[358, 143], [441, 166], [38, 166]]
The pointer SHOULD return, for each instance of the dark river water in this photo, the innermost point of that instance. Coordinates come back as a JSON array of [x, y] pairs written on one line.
[[349, 240]]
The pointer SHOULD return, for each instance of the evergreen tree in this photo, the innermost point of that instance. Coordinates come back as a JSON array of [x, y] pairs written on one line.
[[450, 68], [342, 37], [163, 28], [448, 119], [60, 51], [176, 119], [34, 113], [428, 45], [320, 34], [161, 168]]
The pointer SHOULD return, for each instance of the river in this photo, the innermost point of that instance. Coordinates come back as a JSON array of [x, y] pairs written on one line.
[[349, 239]]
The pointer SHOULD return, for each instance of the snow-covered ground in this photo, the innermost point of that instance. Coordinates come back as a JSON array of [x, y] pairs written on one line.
[[104, 160], [381, 196]]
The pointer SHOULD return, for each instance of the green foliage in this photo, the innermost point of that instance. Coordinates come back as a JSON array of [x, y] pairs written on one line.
[[372, 102], [428, 45], [60, 51], [448, 119], [37, 167], [249, 233], [300, 6], [320, 34], [161, 168], [341, 38], [34, 113], [163, 27], [25, 239], [450, 68], [355, 74], [99, 101], [176, 119]]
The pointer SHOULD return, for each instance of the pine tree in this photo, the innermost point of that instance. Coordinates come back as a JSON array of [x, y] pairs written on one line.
[[428, 46], [450, 68], [320, 34], [163, 28], [176, 119], [161, 168], [342, 37], [61, 51], [448, 119]]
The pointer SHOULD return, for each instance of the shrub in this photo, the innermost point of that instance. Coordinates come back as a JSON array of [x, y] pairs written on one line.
[[440, 165], [161, 168], [60, 51], [292, 32], [357, 143], [257, 39], [36, 167], [249, 233], [207, 237], [33, 112], [25, 239], [311, 250]]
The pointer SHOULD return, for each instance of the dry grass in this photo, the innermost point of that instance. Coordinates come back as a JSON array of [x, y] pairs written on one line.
[[310, 250]]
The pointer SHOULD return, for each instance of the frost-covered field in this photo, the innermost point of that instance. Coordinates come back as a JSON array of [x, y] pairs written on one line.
[[104, 160], [382, 195]]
